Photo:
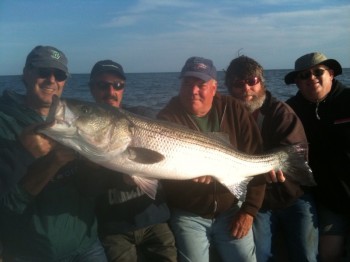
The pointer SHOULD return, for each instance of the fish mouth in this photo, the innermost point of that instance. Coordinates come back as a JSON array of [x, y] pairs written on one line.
[[51, 117], [59, 113]]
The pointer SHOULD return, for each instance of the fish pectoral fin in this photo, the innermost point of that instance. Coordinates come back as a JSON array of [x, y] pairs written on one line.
[[148, 186], [239, 188], [143, 155]]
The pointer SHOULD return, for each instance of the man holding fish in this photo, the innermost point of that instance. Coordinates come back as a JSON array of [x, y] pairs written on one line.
[[43, 215], [288, 208], [131, 224], [204, 212]]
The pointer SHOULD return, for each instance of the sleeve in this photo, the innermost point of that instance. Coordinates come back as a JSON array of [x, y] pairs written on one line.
[[283, 128], [255, 195], [249, 140], [14, 161]]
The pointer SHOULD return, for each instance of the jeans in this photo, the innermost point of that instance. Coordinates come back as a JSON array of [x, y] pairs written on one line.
[[152, 243], [194, 235], [298, 226], [95, 253]]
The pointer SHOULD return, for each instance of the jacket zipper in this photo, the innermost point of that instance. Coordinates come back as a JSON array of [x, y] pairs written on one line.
[[316, 110]]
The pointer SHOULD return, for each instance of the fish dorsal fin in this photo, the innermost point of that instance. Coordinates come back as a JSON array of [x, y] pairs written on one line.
[[144, 156], [148, 186]]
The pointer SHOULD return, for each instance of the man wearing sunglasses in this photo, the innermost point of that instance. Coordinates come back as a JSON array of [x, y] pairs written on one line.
[[131, 225], [43, 215], [107, 81], [204, 213], [287, 207], [322, 104]]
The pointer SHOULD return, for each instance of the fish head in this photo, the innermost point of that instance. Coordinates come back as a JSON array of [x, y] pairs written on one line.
[[94, 130]]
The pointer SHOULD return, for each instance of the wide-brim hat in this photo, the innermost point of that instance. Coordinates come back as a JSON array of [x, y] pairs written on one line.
[[310, 60]]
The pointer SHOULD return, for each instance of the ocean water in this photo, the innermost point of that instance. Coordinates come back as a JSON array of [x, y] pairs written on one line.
[[153, 90]]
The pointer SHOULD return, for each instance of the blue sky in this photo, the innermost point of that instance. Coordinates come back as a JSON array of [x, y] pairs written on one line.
[[159, 35]]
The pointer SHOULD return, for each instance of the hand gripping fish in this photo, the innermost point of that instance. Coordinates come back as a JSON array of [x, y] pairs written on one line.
[[148, 149]]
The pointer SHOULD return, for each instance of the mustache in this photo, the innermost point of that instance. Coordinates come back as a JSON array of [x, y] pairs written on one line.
[[248, 94], [109, 97]]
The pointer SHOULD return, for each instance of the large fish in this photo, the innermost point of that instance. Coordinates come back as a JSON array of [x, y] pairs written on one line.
[[149, 149]]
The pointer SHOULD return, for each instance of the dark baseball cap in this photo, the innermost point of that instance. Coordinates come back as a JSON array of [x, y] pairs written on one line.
[[199, 67], [107, 66], [47, 57]]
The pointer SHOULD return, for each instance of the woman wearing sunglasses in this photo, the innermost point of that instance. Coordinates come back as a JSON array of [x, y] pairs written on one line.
[[323, 105]]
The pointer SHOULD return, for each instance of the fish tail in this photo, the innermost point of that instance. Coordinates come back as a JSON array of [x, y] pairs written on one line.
[[295, 167]]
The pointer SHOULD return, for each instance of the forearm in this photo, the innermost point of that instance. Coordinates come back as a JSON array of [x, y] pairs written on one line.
[[39, 174], [14, 162]]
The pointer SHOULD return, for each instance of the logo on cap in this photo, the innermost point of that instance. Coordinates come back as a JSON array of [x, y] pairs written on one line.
[[200, 66], [55, 55]]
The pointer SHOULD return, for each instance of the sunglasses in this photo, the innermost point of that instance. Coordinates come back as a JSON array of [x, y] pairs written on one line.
[[250, 82], [307, 74], [47, 72], [104, 85]]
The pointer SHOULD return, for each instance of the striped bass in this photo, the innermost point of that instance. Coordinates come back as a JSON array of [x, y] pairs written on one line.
[[149, 149]]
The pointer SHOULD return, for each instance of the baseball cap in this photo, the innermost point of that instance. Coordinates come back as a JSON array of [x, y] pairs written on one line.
[[199, 67], [47, 57], [107, 66]]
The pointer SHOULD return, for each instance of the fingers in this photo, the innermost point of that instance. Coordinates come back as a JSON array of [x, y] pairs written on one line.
[[58, 158], [203, 179], [280, 176], [274, 177], [239, 232], [271, 177], [128, 180], [241, 225], [37, 144]]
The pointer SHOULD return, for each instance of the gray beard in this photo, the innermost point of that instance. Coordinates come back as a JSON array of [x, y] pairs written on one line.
[[255, 104]]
